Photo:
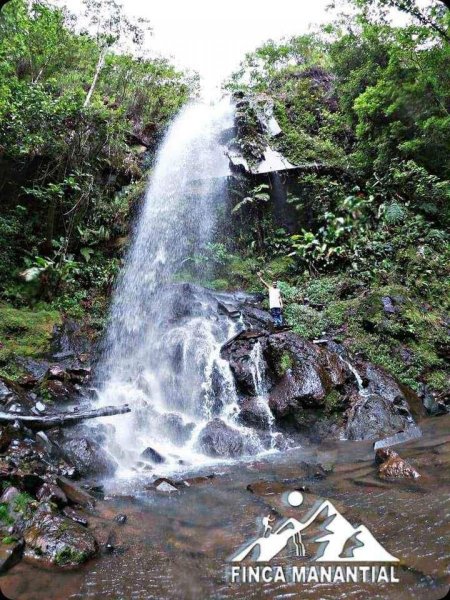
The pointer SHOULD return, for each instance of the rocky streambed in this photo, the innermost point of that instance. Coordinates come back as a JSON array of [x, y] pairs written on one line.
[[317, 410]]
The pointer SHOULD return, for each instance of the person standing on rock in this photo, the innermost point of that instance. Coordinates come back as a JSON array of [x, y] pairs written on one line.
[[275, 301]]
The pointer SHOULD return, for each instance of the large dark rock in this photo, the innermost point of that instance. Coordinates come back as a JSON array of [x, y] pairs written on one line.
[[238, 354], [372, 416], [298, 373], [380, 383], [72, 344], [58, 540], [253, 413], [89, 458], [219, 439], [257, 318], [313, 389], [304, 385]]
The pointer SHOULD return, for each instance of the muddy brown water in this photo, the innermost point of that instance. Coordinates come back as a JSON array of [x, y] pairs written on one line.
[[179, 546]]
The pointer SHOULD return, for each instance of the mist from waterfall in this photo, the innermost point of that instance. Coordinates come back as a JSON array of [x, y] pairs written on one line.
[[163, 343]]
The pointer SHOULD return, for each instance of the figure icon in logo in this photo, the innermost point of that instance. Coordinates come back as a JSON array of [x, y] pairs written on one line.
[[266, 521]]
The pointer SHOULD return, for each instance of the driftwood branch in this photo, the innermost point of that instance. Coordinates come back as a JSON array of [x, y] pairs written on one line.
[[38, 423]]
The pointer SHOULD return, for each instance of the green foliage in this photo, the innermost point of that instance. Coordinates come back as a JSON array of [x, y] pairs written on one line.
[[9, 539], [76, 109], [5, 517], [285, 363], [257, 194], [332, 402], [23, 503], [394, 213], [406, 342]]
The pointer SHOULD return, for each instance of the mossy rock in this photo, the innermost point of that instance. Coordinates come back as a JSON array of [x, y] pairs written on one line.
[[24, 332]]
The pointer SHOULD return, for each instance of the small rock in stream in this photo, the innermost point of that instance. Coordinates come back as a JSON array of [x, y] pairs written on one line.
[[166, 487], [392, 466], [10, 555], [72, 514], [121, 519], [152, 455], [110, 545], [74, 493]]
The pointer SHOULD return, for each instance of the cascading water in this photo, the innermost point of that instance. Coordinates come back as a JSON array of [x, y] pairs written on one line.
[[258, 371], [163, 343]]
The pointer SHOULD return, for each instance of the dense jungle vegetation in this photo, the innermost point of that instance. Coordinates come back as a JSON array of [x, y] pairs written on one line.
[[367, 102]]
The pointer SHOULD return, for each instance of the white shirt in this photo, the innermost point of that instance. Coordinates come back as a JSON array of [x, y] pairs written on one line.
[[274, 298]]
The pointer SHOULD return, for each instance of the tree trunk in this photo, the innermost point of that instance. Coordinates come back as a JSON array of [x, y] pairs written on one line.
[[61, 420], [98, 68]]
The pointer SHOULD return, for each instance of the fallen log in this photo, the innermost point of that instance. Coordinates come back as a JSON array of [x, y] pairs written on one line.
[[40, 423], [244, 334]]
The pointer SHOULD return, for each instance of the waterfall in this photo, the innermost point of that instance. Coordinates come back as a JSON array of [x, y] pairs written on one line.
[[164, 337]]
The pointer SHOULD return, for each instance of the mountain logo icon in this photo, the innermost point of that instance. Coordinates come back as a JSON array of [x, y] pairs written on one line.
[[340, 542]]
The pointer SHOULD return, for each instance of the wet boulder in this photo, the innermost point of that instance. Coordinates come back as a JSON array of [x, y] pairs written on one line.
[[257, 319], [239, 356], [14, 398], [58, 540], [304, 386], [315, 388], [380, 383], [220, 440], [89, 458], [49, 492], [74, 493], [58, 390], [76, 516], [372, 416], [71, 343], [254, 413], [11, 551]]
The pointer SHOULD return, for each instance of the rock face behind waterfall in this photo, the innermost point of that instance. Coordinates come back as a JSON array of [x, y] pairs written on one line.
[[313, 390]]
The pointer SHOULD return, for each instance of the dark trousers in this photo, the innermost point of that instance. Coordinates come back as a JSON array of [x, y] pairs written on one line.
[[277, 316]]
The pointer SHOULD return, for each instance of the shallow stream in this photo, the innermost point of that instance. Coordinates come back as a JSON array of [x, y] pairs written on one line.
[[179, 545]]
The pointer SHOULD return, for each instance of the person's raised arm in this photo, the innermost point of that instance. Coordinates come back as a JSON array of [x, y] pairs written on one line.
[[262, 280]]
